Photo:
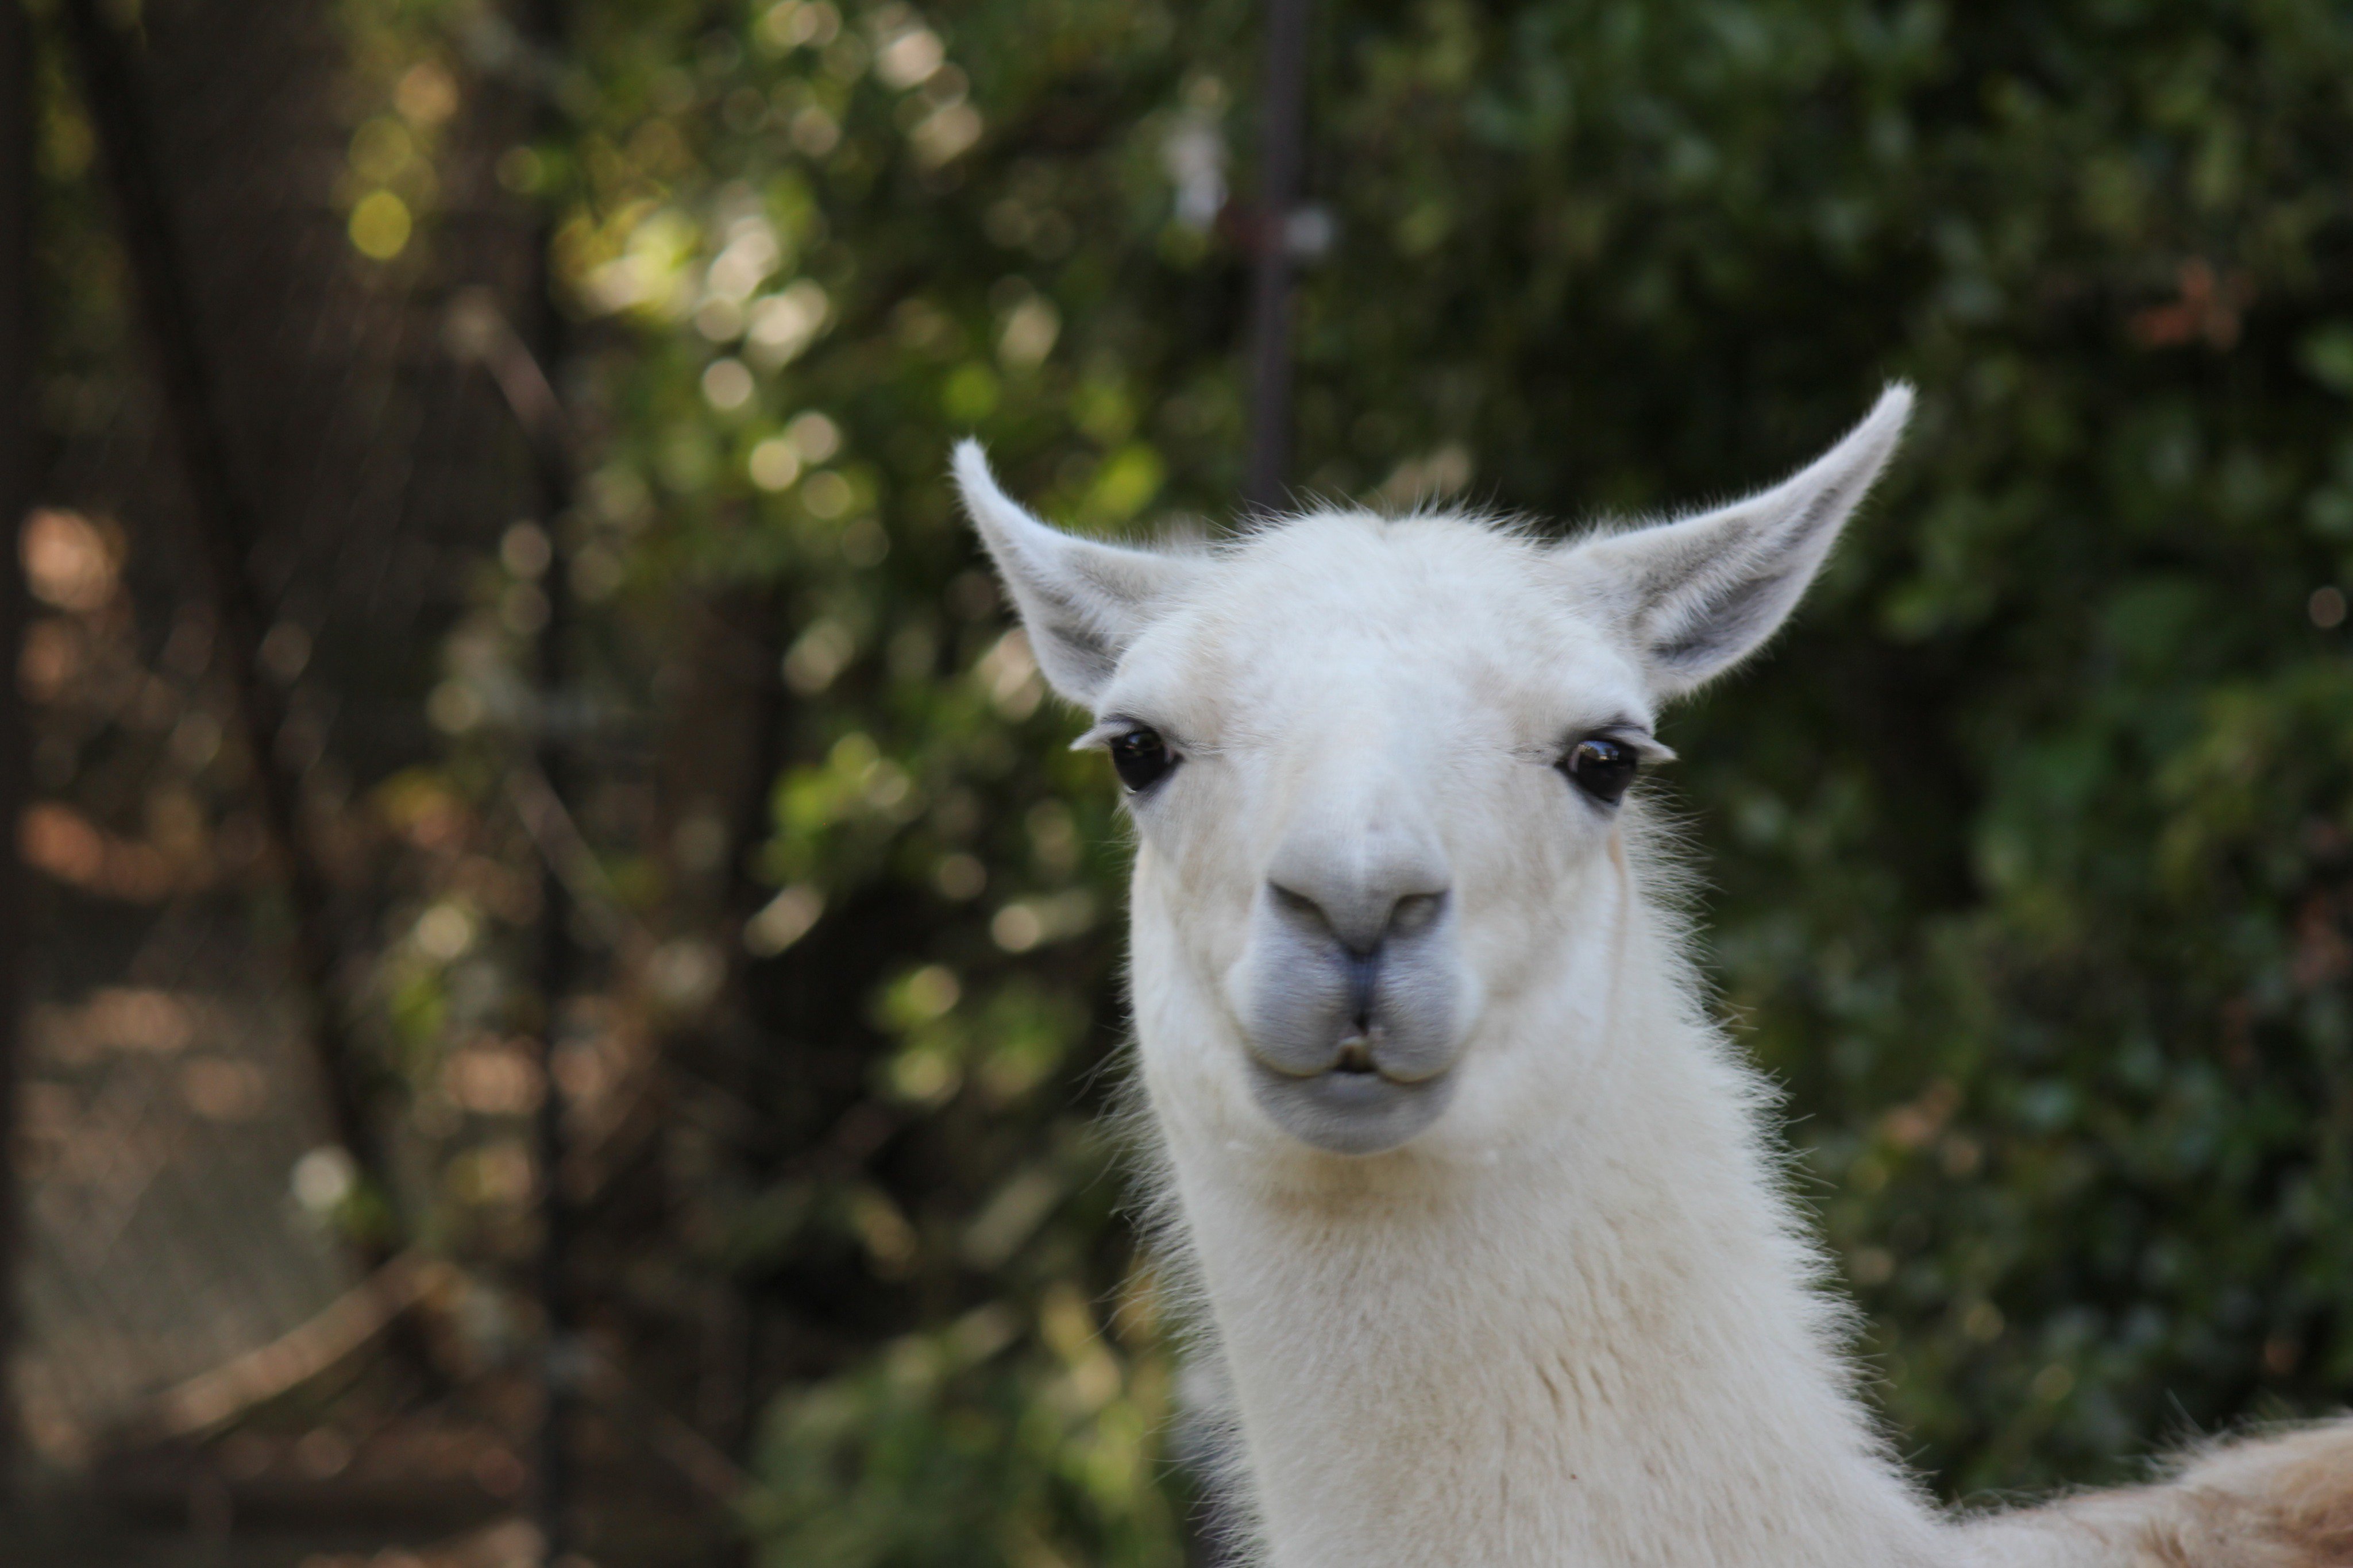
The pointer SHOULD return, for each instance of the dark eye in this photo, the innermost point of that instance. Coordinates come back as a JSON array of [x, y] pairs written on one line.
[[1601, 767], [1142, 759]]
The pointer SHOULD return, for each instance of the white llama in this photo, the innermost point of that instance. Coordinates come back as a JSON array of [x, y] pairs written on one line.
[[1484, 1213]]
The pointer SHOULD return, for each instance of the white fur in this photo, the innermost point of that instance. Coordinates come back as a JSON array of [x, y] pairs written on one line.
[[1576, 1321]]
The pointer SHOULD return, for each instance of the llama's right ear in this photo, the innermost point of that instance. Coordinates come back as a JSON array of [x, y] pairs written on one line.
[[1699, 594], [1081, 601]]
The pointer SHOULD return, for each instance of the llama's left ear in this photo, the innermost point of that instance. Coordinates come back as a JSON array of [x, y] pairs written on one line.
[[1699, 594], [1081, 601]]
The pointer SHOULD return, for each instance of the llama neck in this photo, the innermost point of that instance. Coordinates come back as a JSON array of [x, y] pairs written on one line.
[[1600, 1351]]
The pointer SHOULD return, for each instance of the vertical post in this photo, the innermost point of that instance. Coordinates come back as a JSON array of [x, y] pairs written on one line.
[[17, 491], [564, 1366], [1281, 132]]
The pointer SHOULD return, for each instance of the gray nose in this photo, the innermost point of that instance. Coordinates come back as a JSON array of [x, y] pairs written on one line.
[[1352, 997], [1363, 930], [1361, 900]]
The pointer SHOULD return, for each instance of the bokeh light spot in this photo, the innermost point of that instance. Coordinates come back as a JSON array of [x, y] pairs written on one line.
[[381, 226]]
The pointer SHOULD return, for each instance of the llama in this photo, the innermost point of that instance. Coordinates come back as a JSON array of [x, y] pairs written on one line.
[[1489, 1233]]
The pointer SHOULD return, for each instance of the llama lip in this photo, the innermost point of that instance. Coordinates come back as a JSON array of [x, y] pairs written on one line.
[[1359, 1054], [1349, 1109]]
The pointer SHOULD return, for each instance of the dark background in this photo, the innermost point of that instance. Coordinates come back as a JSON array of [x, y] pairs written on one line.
[[488, 541]]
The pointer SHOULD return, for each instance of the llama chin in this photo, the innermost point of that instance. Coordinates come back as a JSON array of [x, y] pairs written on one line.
[[1485, 1213]]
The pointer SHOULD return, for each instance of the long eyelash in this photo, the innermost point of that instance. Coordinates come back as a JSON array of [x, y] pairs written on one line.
[[1646, 747], [1106, 730]]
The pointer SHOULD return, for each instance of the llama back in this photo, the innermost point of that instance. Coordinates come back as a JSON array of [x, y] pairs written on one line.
[[2262, 1500]]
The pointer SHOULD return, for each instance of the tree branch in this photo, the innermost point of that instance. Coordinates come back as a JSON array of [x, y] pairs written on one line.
[[227, 534]]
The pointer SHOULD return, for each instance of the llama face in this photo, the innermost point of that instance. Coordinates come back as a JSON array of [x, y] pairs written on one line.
[[1377, 772], [1355, 826]]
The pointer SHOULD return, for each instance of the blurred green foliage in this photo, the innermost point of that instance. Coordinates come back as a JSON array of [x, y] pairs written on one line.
[[2029, 846]]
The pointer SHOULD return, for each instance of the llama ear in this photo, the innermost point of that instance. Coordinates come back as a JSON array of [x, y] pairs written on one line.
[[1081, 601], [1701, 594]]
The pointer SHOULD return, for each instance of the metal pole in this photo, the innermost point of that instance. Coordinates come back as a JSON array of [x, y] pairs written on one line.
[[1282, 131], [17, 492], [564, 1361]]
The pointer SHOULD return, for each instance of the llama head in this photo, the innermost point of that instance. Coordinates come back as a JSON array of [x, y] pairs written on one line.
[[1377, 770]]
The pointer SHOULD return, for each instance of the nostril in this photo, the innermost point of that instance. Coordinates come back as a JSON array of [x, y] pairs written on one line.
[[1297, 903], [1415, 911]]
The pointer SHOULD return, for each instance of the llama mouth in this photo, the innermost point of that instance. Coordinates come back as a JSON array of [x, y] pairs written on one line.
[[1358, 1054], [1351, 1106]]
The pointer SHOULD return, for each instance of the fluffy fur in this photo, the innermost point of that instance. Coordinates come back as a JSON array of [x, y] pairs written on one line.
[[1571, 1316]]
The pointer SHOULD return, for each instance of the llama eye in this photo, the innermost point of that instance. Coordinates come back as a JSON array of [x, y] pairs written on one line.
[[1601, 767], [1142, 759]]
